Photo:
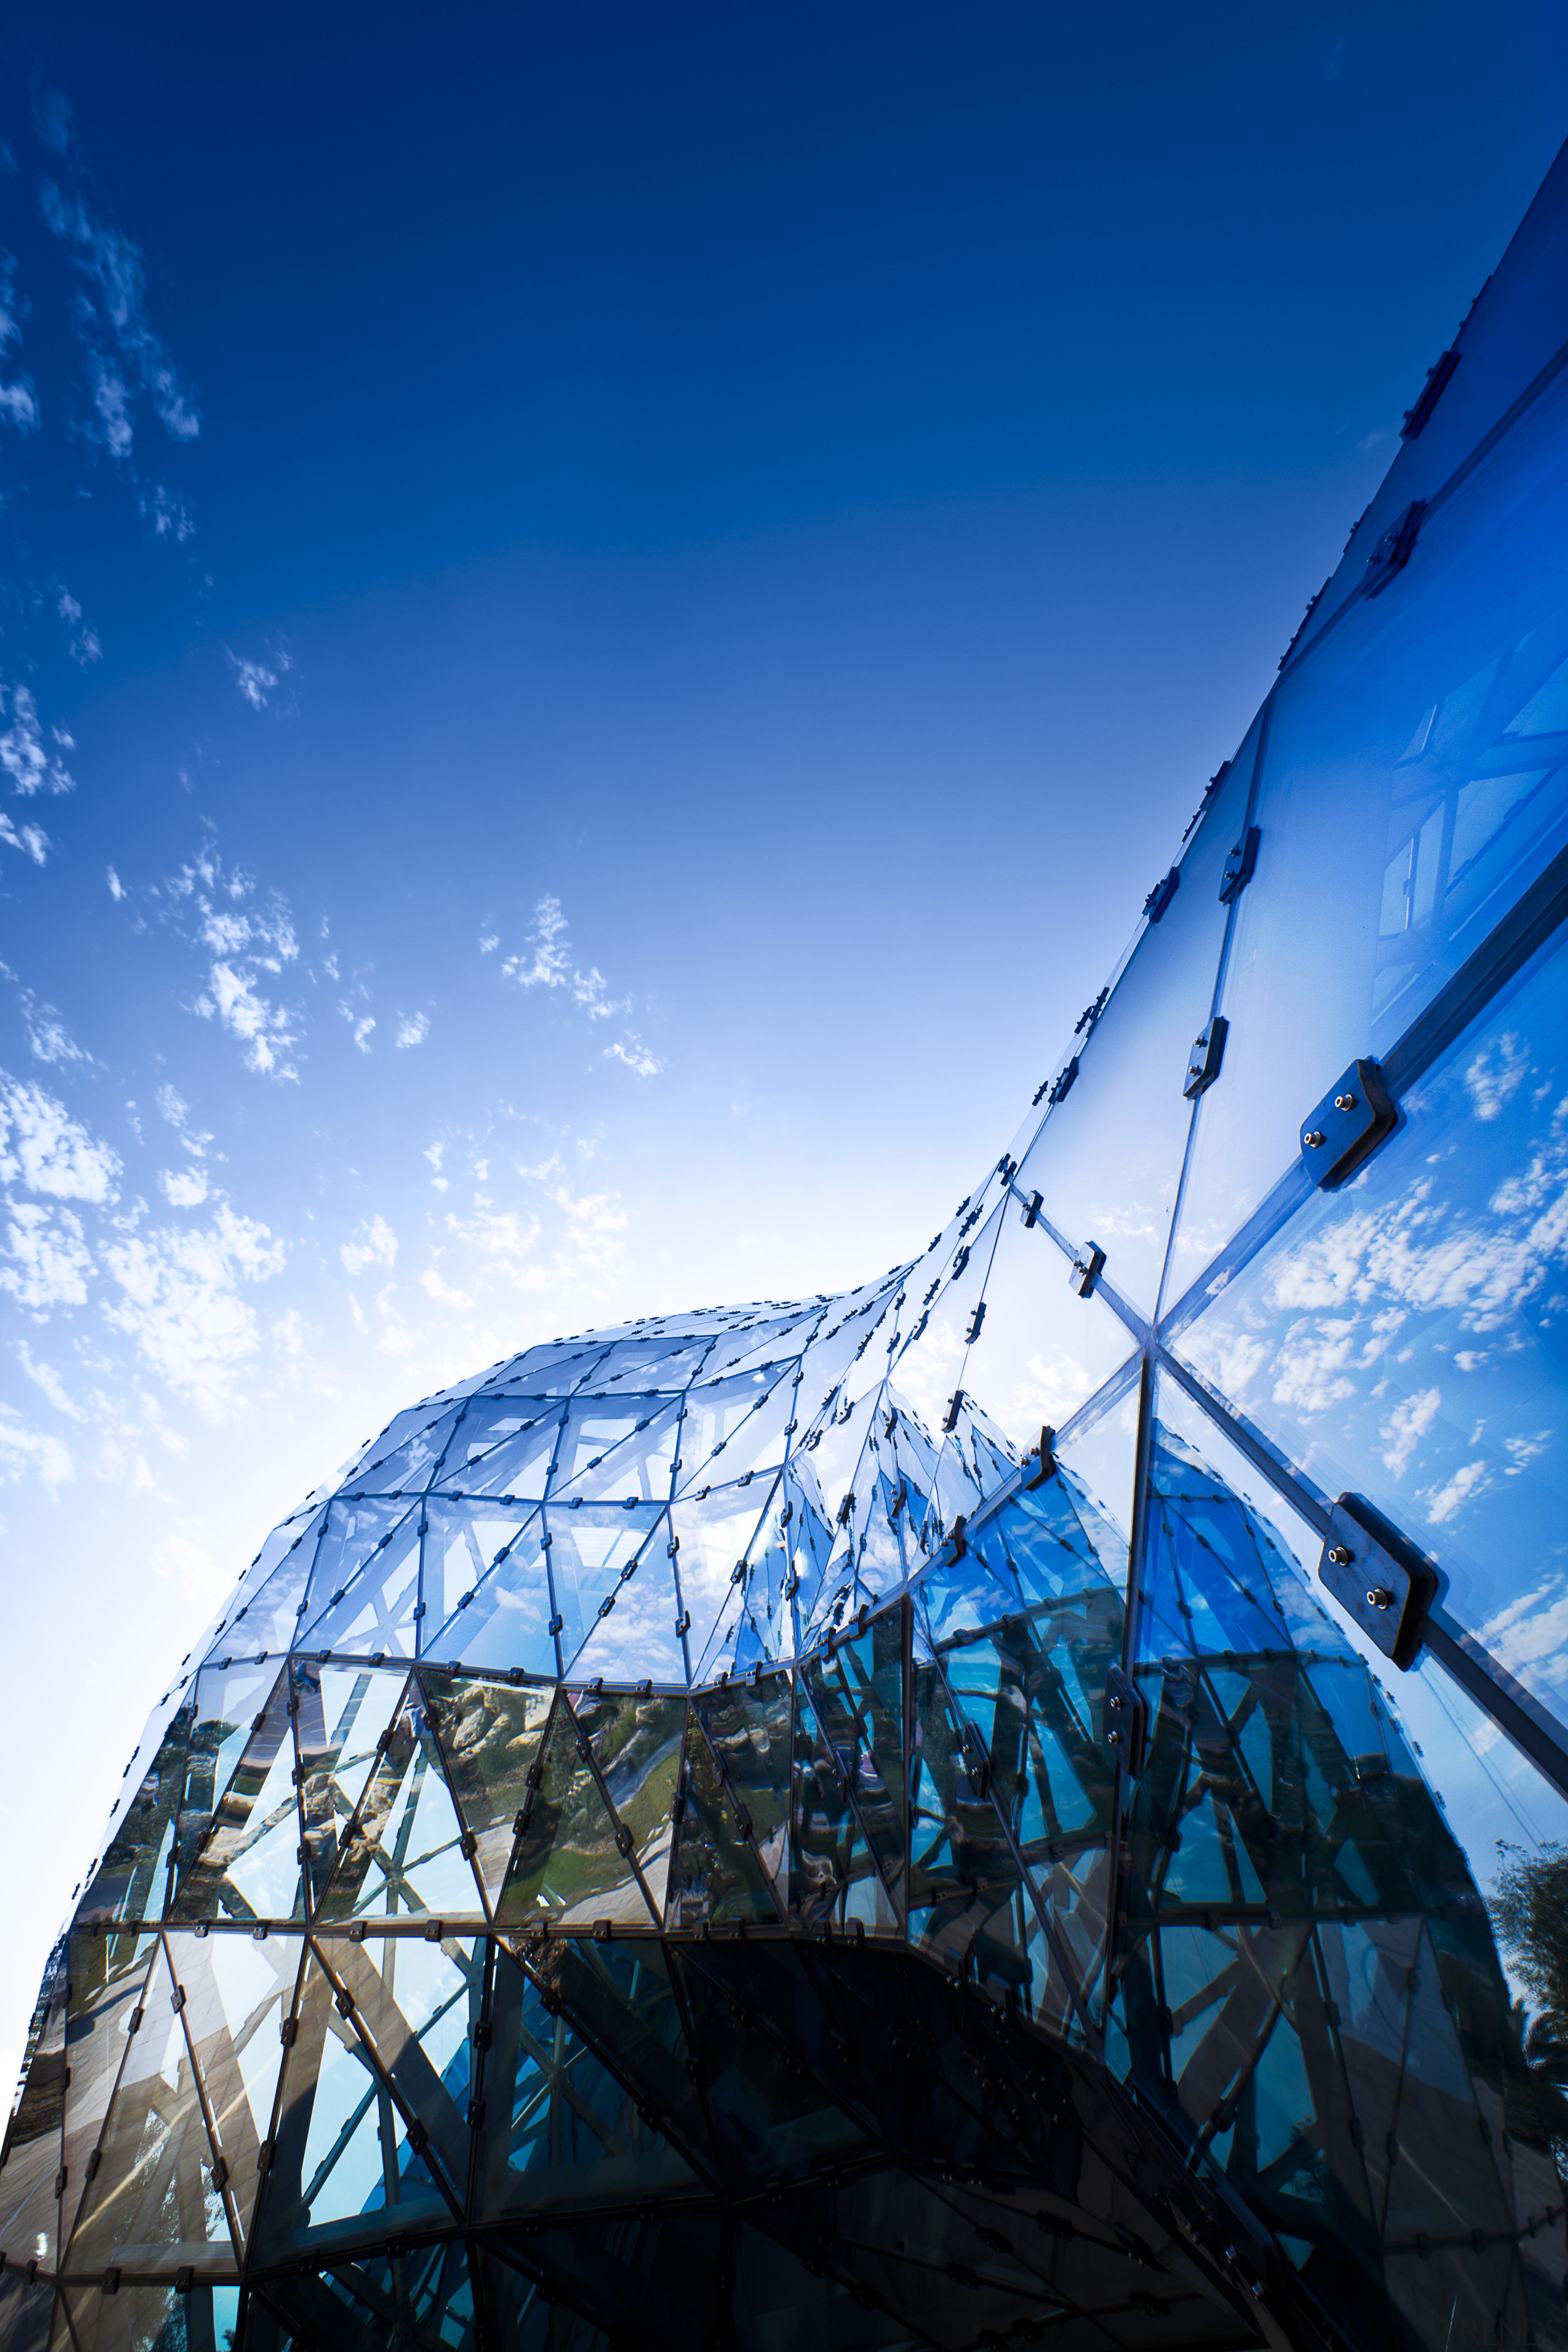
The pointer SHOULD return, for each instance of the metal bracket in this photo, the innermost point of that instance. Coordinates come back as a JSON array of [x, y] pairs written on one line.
[[1342, 1131], [1063, 1085], [1378, 1576], [1087, 1271], [1161, 896], [1417, 418], [1047, 1453], [1394, 549], [1239, 865], [1126, 1718], [1208, 1053]]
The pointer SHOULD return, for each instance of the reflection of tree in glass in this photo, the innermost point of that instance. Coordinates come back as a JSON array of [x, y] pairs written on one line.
[[1530, 1913]]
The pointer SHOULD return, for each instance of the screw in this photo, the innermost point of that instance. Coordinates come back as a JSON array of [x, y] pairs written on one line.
[[1380, 1597], [1340, 1556], [1313, 1138], [1344, 1102]]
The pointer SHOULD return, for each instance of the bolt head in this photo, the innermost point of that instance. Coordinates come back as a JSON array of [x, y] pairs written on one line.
[[1341, 1555], [1380, 1597], [1312, 1139], [1344, 1102]]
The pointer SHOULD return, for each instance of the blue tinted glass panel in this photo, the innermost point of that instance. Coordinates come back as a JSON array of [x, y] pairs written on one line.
[[1413, 785], [1407, 1337], [1109, 1157]]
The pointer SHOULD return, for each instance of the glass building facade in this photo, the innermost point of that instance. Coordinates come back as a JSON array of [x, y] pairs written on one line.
[[1024, 1802]]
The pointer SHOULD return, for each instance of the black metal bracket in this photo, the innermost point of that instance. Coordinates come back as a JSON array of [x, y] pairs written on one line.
[[1394, 549], [1341, 1133], [1047, 1459], [1378, 1576], [1063, 1085], [1087, 1271], [1208, 1053], [1417, 418], [1126, 1718], [1161, 896], [1239, 865]]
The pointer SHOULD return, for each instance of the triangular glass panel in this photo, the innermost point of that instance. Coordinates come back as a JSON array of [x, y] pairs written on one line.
[[856, 1691], [32, 2150], [833, 1878], [230, 1693], [238, 1991], [567, 1866], [153, 2205], [132, 1881], [620, 1997], [342, 1714], [636, 1742], [464, 1543], [415, 2004], [405, 1853], [244, 1857], [504, 1447], [596, 1553], [365, 1588], [490, 1734], [265, 1611], [410, 1453], [422, 2294], [559, 2128], [342, 2155], [718, 1875], [108, 1975], [750, 1730]]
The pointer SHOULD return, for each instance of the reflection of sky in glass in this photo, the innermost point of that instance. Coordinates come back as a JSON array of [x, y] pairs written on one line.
[[1408, 1336]]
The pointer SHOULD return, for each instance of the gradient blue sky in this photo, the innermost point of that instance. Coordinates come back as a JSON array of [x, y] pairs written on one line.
[[636, 597]]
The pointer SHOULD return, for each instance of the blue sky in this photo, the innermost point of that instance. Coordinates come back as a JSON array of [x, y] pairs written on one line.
[[608, 616]]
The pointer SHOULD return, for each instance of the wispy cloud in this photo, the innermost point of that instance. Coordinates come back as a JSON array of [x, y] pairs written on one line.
[[181, 1304], [377, 1245], [30, 839], [246, 939], [125, 357], [44, 1148], [82, 638], [637, 1056], [547, 961], [49, 1262], [258, 681], [413, 1032], [24, 757], [46, 1033], [18, 401]]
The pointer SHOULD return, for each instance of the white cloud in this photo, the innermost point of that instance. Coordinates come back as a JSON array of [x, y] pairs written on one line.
[[113, 265], [173, 1107], [44, 1377], [50, 1259], [23, 756], [83, 639], [42, 1147], [255, 682], [413, 1032], [116, 887], [18, 401], [376, 1246], [362, 1023], [184, 1187], [30, 839], [244, 941], [47, 1034], [181, 1303], [547, 963], [1405, 1427], [1442, 1502], [1495, 1074], [23, 1449], [637, 1056]]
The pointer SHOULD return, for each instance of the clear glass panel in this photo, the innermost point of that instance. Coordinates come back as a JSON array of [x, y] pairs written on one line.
[[153, 2205], [1313, 1991], [1109, 1157], [566, 1865], [244, 1858], [107, 1975], [414, 2004], [834, 1875], [636, 1744], [1412, 786], [365, 1586], [405, 1852], [238, 1990], [489, 1735], [558, 2125], [33, 2149], [132, 1881], [343, 1712], [1101, 1448], [856, 1695], [1407, 1336], [341, 2156], [718, 1875]]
